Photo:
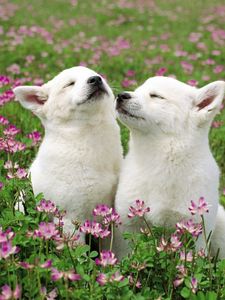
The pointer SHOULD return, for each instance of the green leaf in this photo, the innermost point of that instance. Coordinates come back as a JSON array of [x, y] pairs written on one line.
[[185, 293], [93, 254]]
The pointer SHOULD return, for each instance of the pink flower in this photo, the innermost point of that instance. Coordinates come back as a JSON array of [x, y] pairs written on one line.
[[71, 275], [11, 130], [26, 265], [21, 173], [163, 245], [192, 82], [218, 69], [6, 249], [175, 243], [195, 229], [188, 257], [101, 210], [6, 235], [182, 270], [49, 296], [187, 67], [94, 229], [139, 210], [116, 277], [14, 69], [201, 253], [178, 281], [66, 239], [113, 217], [46, 206], [128, 82], [161, 72], [8, 294], [201, 208], [130, 73], [106, 258], [47, 264], [3, 120], [194, 285], [56, 274], [102, 279], [1, 185], [131, 281], [46, 231], [35, 136]]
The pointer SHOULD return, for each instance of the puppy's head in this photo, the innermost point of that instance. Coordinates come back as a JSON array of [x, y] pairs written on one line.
[[163, 105], [75, 95]]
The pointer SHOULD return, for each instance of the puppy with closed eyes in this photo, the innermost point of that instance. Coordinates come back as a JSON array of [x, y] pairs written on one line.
[[78, 163], [169, 162]]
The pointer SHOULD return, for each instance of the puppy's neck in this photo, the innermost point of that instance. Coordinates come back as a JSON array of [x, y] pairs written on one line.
[[155, 147]]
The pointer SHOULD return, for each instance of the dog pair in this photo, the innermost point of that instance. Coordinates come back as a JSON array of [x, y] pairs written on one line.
[[169, 161]]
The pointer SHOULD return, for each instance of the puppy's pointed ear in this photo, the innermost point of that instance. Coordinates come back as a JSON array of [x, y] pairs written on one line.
[[31, 97], [209, 99]]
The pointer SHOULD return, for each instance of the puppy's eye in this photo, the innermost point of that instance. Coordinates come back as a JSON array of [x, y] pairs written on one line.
[[69, 84], [156, 96]]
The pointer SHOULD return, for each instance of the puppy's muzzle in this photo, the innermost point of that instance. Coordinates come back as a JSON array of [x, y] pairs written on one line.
[[95, 81], [97, 87], [122, 98]]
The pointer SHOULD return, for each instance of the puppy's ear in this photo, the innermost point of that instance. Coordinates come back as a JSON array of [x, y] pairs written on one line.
[[209, 99], [31, 97]]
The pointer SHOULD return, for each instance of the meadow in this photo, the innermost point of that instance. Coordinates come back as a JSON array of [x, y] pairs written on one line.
[[127, 41]]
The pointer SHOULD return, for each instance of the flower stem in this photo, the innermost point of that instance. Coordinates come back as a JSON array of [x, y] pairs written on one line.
[[207, 249], [112, 234]]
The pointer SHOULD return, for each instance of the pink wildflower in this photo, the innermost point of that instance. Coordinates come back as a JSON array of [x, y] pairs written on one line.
[[8, 294], [71, 275], [47, 264], [175, 243], [194, 285], [161, 72], [21, 173], [131, 281], [163, 245], [195, 229], [49, 296], [188, 257], [11, 130], [26, 265], [35, 136], [6, 235], [56, 274], [201, 208], [116, 277], [101, 210], [7, 249], [113, 217], [94, 229], [102, 279], [3, 120], [178, 281], [46, 231], [106, 258], [139, 210], [46, 206]]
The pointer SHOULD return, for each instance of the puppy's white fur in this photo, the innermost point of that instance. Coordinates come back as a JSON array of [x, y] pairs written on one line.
[[169, 161], [78, 163]]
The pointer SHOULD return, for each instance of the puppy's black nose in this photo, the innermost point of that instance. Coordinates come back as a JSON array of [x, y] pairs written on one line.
[[95, 80], [123, 96]]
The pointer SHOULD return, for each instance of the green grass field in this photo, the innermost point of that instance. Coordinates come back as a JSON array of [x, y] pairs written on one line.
[[112, 38]]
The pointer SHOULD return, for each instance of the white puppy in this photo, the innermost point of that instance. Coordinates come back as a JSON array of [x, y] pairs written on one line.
[[78, 163], [169, 161]]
